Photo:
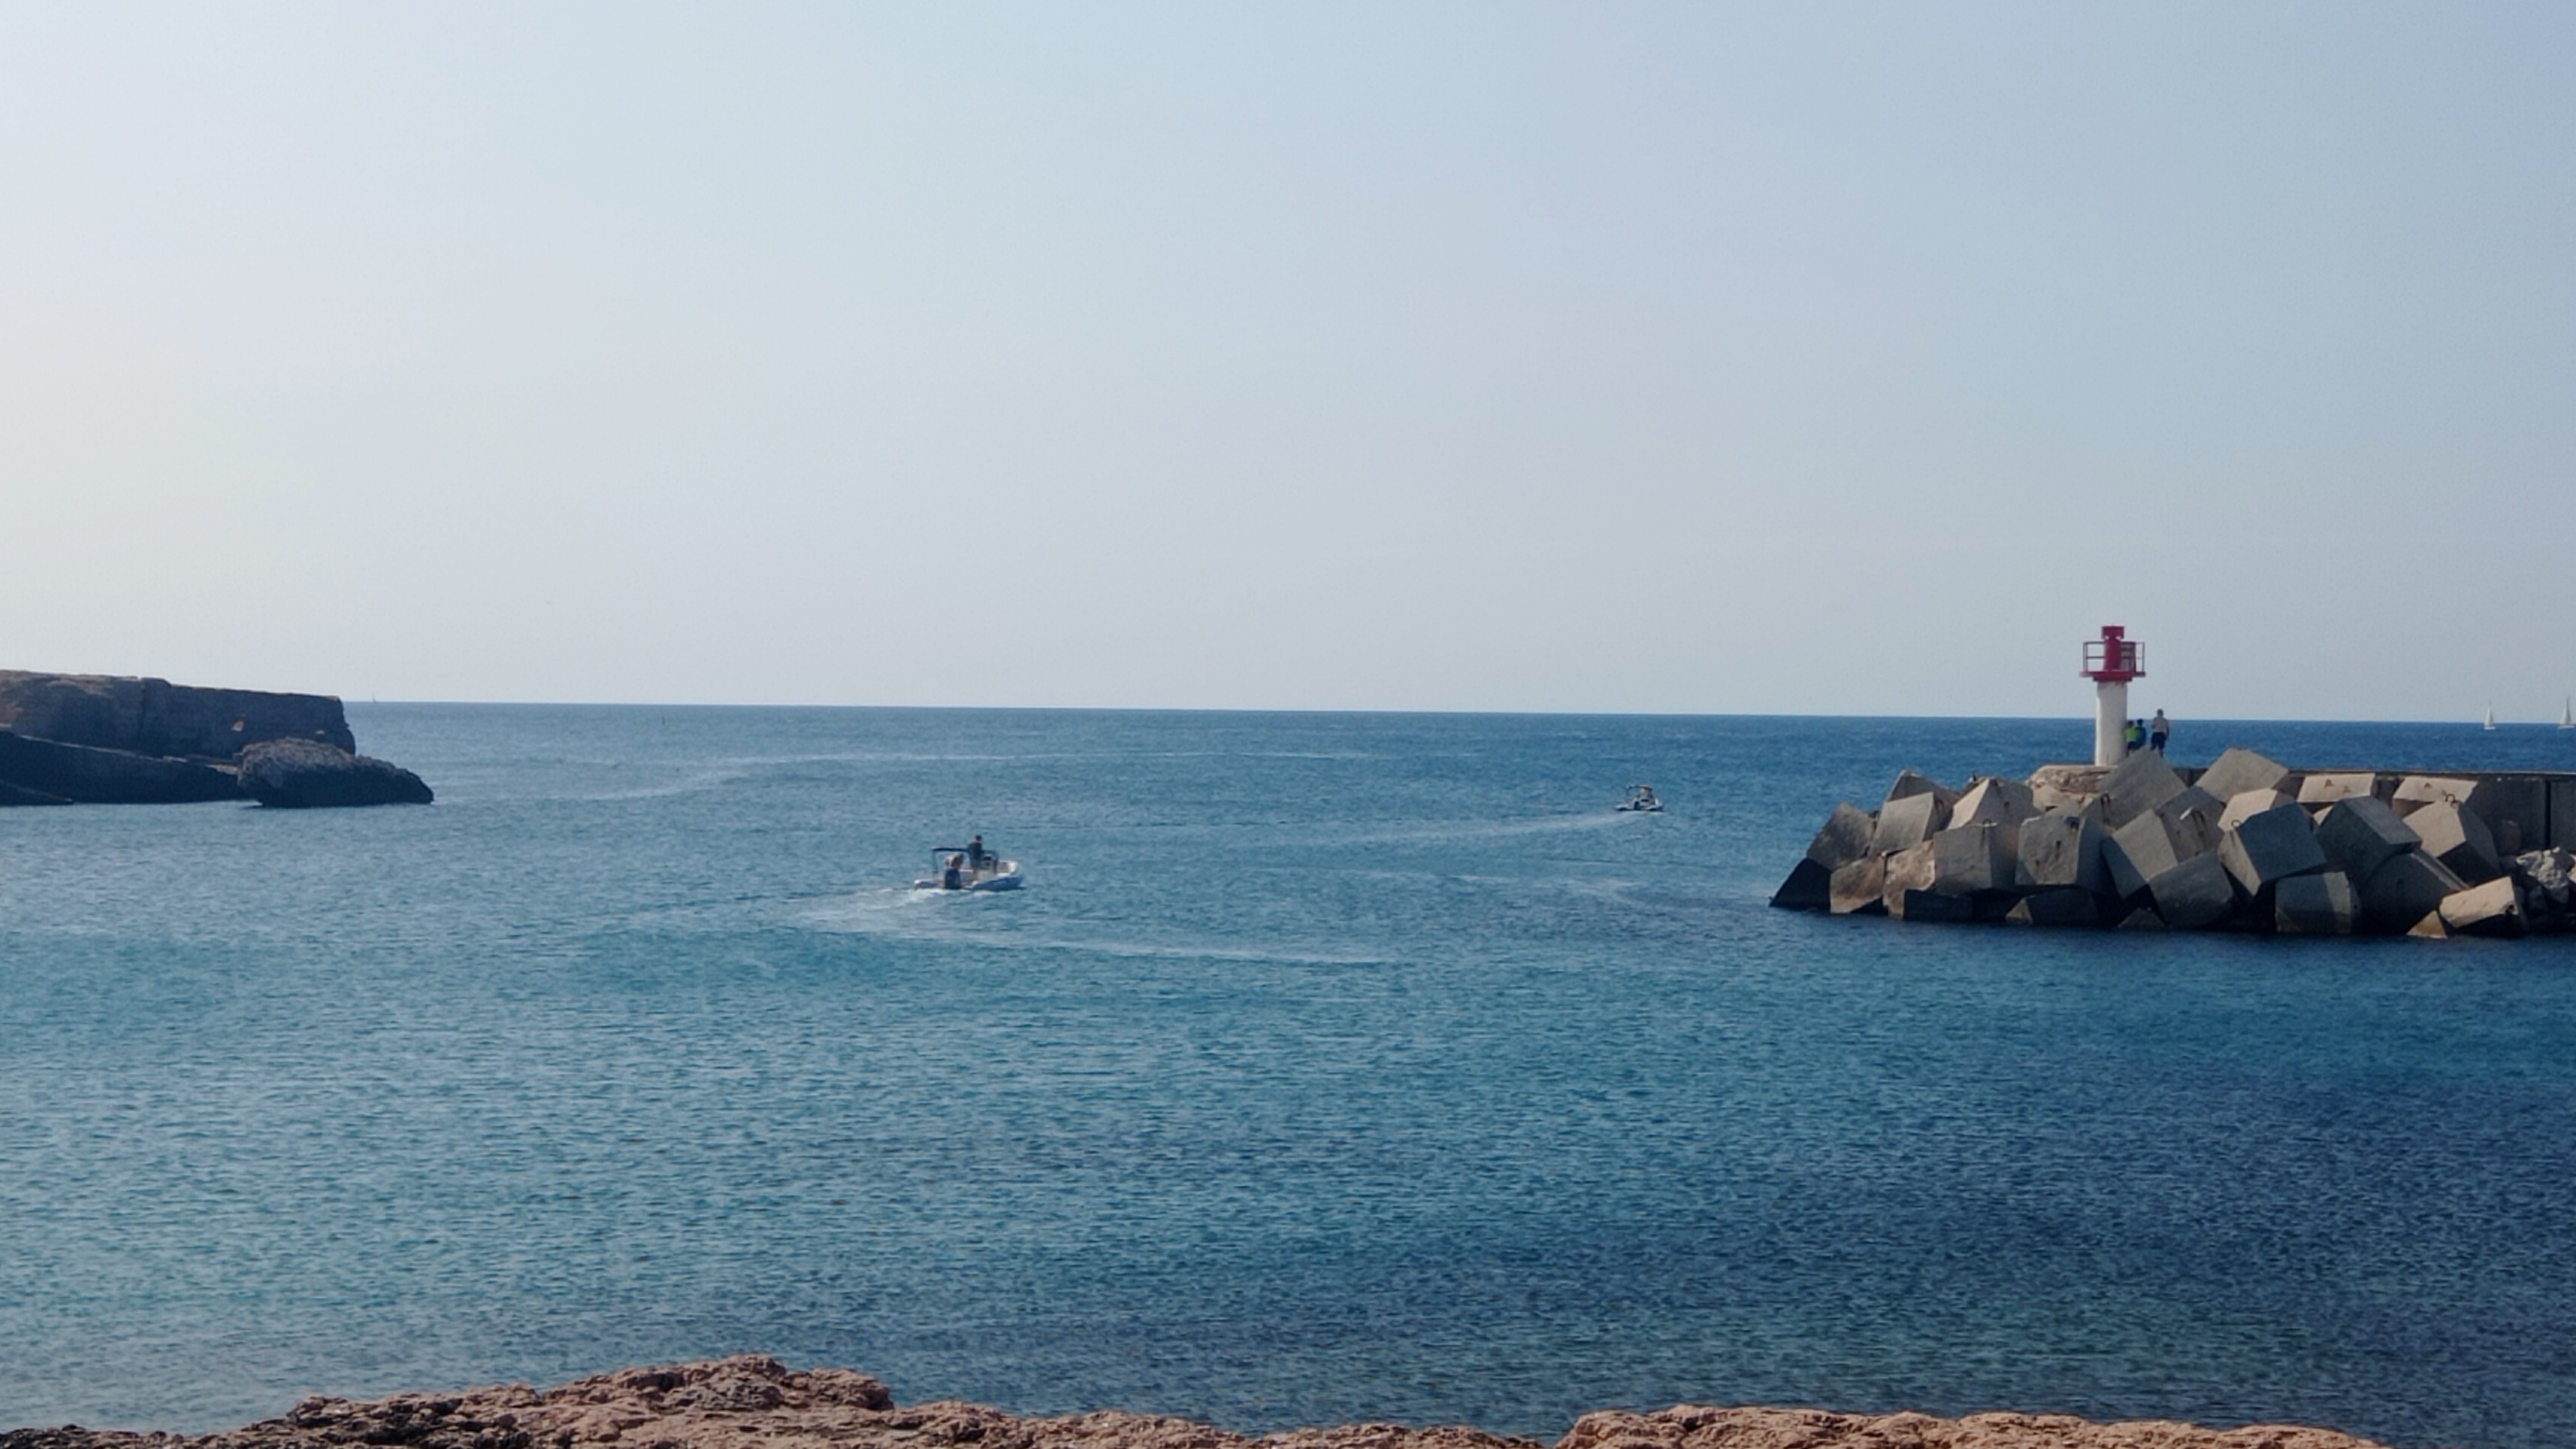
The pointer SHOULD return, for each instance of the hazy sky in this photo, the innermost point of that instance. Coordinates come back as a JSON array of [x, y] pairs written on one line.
[[1802, 357]]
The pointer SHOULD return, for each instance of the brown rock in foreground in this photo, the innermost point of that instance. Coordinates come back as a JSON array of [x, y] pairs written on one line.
[[756, 1403]]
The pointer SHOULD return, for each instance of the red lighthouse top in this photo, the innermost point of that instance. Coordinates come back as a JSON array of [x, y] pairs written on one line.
[[2113, 658]]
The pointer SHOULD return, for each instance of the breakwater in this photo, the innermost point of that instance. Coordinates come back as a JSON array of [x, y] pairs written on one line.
[[2246, 844]]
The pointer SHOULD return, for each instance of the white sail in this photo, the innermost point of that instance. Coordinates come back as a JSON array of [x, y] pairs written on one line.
[[2491, 714], [2567, 714]]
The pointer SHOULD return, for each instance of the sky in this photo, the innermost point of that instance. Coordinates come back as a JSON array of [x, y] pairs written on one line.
[[1691, 358]]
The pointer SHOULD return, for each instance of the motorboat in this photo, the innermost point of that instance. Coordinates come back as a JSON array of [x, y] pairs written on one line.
[[956, 868], [1641, 798]]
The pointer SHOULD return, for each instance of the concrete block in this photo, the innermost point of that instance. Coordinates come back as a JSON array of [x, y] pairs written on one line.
[[2144, 918], [2193, 895], [1910, 869], [2137, 785], [2240, 770], [1860, 888], [2128, 881], [2548, 877], [2399, 893], [2316, 905], [2316, 790], [2271, 845], [2360, 834], [2248, 804], [2430, 929], [1909, 820], [2562, 817], [2458, 839], [2000, 801], [2159, 840], [1910, 783], [2066, 787], [1967, 859], [2516, 809], [1932, 906], [2062, 850], [1846, 837], [2192, 819], [2057, 906], [2492, 909], [1810, 887], [2414, 792]]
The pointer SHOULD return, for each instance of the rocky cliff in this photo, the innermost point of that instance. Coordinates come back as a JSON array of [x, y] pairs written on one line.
[[156, 717], [94, 739], [757, 1403]]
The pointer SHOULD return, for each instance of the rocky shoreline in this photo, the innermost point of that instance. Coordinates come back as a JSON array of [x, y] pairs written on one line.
[[753, 1402], [95, 739]]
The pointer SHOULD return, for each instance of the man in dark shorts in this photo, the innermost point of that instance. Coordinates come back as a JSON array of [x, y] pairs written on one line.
[[2159, 730]]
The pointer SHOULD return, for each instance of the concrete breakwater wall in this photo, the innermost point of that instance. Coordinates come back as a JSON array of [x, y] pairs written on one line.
[[2247, 844]]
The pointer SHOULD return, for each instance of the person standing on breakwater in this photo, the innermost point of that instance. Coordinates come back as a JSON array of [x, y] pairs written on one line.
[[2133, 737], [2159, 730]]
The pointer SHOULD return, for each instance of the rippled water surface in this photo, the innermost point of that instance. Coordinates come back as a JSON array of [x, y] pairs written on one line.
[[1330, 1067]]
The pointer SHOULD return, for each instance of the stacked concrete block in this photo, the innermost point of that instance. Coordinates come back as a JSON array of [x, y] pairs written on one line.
[[2562, 816], [2319, 791], [2492, 909], [2270, 845], [2414, 792], [2403, 891], [2136, 786], [2323, 904], [2056, 906], [2194, 894], [1846, 837], [2360, 834], [2247, 804], [1969, 860], [1810, 887], [2240, 770], [2062, 850], [1906, 821], [2245, 845], [2458, 839], [2183, 828], [1859, 889], [1909, 872], [2067, 787]]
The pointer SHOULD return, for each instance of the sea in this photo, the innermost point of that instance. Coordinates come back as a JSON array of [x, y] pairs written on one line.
[[1330, 1067]]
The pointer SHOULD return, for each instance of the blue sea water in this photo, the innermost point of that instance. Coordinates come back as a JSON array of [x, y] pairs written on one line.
[[1330, 1067]]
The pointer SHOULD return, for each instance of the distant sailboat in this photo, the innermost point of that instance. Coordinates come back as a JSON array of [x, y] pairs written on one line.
[[2567, 714], [2491, 714]]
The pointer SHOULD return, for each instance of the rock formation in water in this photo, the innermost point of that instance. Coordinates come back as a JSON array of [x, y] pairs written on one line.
[[756, 1403], [93, 739], [303, 774]]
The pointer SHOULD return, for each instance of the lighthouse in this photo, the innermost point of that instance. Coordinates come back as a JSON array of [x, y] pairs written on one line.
[[2111, 662]]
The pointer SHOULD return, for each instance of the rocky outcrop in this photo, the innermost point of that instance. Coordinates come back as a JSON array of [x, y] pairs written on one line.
[[306, 774], [94, 739], [50, 768], [750, 1402], [156, 717], [2244, 845]]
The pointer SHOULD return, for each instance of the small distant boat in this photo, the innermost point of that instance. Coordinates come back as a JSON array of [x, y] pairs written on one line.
[[2491, 714], [1641, 798], [2567, 714], [956, 868]]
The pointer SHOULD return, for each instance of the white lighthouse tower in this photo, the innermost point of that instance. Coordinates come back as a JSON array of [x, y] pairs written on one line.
[[2111, 662]]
